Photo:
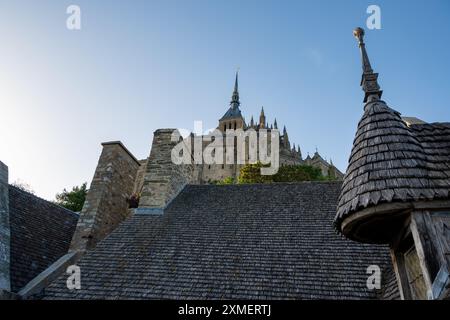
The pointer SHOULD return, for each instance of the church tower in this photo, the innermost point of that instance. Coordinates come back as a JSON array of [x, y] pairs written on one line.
[[262, 119], [233, 118]]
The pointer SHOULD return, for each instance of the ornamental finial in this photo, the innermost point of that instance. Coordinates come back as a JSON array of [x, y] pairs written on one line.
[[369, 80]]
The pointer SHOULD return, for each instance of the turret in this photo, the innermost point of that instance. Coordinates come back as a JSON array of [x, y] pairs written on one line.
[[286, 138], [262, 119], [395, 191]]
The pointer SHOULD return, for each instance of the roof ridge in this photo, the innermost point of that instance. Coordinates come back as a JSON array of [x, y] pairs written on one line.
[[42, 199]]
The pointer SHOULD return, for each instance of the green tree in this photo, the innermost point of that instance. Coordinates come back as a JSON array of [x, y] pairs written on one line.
[[228, 180], [251, 173], [74, 199]]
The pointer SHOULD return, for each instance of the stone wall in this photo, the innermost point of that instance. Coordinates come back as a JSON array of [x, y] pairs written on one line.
[[106, 202], [216, 172], [139, 182], [5, 235], [163, 179]]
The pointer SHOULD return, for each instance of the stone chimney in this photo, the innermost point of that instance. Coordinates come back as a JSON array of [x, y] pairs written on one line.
[[106, 203], [163, 179], [5, 236]]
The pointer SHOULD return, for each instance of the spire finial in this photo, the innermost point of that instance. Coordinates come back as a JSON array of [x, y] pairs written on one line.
[[369, 79], [275, 124], [235, 97]]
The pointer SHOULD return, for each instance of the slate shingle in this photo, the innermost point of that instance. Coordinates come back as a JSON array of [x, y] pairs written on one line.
[[40, 234], [268, 241], [393, 162]]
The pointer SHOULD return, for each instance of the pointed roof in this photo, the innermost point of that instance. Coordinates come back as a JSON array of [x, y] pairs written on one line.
[[390, 162], [275, 124], [235, 97], [234, 111]]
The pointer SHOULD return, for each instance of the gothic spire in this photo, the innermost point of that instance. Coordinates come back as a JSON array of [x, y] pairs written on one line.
[[275, 125], [262, 119], [235, 97], [369, 79]]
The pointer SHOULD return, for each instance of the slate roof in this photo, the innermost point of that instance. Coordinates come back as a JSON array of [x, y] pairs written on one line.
[[389, 287], [393, 162], [40, 234], [266, 241], [232, 112]]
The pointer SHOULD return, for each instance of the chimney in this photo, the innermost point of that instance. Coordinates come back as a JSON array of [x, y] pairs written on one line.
[[106, 203], [164, 179], [5, 235]]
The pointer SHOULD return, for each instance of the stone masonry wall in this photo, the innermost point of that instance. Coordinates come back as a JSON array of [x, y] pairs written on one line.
[[163, 179], [139, 182], [106, 202], [5, 235]]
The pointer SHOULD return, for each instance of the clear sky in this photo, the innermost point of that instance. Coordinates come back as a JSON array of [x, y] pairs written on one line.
[[136, 66]]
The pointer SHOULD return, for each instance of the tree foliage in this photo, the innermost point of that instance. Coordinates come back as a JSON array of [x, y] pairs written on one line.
[[74, 199], [251, 173], [228, 180], [22, 185]]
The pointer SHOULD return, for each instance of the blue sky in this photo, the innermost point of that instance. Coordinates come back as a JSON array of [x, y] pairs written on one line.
[[136, 66]]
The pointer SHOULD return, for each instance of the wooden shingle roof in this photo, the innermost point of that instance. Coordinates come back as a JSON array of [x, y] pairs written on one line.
[[267, 241], [393, 162]]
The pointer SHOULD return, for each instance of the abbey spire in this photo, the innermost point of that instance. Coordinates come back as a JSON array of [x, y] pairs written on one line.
[[369, 80], [233, 118], [262, 119], [235, 97]]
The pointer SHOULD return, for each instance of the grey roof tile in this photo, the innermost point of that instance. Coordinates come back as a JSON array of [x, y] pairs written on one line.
[[267, 241], [411, 161], [40, 234]]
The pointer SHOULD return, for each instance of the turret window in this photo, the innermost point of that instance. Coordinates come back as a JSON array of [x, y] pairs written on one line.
[[419, 256], [415, 275]]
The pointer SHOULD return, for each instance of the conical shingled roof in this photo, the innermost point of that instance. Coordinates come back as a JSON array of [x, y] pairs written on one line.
[[390, 162]]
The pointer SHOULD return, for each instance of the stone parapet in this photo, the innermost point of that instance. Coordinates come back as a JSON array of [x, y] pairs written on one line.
[[106, 202]]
